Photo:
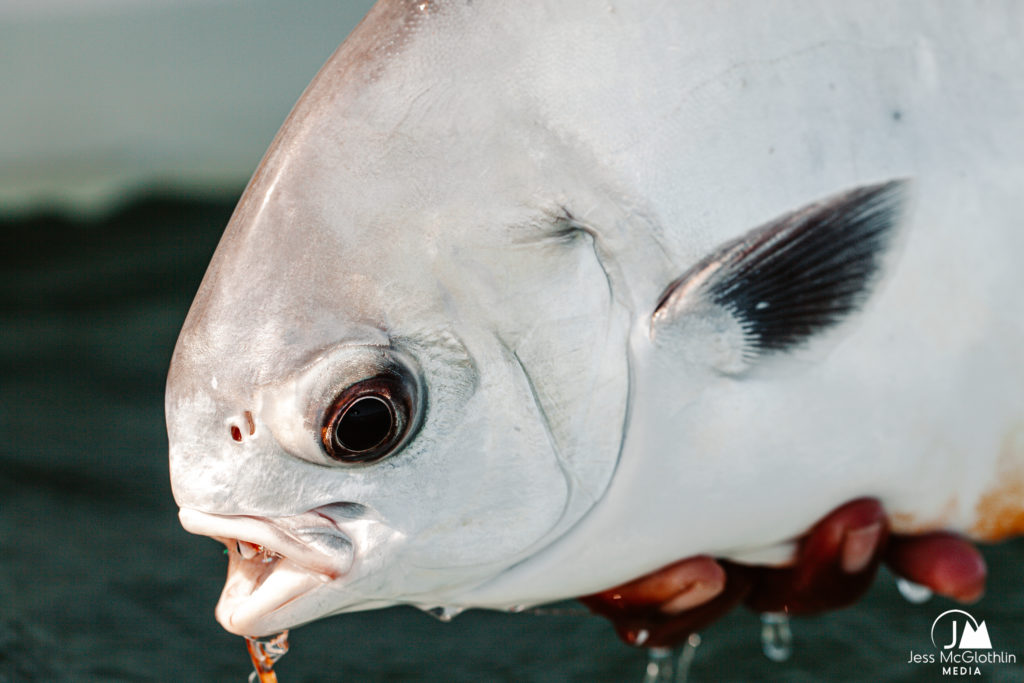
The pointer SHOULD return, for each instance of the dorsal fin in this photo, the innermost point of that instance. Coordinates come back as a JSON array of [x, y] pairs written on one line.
[[780, 284]]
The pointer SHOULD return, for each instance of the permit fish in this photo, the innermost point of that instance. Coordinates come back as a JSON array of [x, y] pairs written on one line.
[[529, 299]]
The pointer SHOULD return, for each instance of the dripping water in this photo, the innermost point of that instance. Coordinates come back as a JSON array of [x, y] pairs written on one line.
[[660, 665], [671, 665], [776, 636], [445, 614], [913, 592]]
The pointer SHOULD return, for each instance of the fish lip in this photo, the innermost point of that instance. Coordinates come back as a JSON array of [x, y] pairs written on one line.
[[295, 559], [289, 537]]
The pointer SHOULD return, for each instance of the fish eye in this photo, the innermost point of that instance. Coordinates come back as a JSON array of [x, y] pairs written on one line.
[[365, 425], [368, 420]]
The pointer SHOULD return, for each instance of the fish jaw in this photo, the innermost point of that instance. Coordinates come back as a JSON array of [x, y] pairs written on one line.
[[277, 568]]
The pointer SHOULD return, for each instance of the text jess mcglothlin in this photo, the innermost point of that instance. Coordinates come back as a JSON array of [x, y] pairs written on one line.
[[963, 657]]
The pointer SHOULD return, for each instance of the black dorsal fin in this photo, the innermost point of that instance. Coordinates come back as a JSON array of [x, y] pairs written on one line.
[[784, 282]]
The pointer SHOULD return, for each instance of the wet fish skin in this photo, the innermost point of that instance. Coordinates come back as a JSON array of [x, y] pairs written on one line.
[[493, 200]]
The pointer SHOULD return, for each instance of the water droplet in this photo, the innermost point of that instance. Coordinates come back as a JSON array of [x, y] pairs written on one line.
[[660, 665], [776, 636], [913, 592], [444, 614], [671, 665], [686, 658]]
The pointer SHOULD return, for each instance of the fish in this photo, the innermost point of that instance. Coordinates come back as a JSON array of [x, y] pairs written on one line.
[[526, 300]]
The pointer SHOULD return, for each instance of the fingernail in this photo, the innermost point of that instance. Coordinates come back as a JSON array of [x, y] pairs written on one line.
[[697, 593], [859, 546]]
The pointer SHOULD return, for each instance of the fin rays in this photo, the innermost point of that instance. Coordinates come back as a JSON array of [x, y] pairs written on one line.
[[796, 276]]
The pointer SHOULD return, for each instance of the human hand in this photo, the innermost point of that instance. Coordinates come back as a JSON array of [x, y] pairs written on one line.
[[835, 563]]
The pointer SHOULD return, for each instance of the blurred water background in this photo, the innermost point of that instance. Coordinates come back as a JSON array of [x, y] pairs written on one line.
[[126, 133]]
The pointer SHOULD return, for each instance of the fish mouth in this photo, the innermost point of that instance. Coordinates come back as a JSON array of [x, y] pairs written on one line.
[[275, 566]]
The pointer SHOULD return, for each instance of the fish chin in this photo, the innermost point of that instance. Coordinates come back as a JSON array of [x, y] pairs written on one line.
[[267, 594]]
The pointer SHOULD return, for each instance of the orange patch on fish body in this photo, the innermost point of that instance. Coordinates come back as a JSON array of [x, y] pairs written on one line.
[[1001, 509]]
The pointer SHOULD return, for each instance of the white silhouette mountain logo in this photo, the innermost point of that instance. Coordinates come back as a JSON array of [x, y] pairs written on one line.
[[972, 635]]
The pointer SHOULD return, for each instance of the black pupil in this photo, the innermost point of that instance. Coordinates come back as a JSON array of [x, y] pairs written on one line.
[[365, 425]]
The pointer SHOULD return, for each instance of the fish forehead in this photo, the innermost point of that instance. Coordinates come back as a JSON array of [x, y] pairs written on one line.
[[355, 217], [298, 276], [388, 163]]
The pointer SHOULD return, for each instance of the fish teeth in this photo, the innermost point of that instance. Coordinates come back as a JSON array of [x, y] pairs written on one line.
[[261, 553], [256, 551], [267, 555], [247, 550]]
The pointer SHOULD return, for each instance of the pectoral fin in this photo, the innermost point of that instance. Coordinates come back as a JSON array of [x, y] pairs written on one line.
[[781, 284]]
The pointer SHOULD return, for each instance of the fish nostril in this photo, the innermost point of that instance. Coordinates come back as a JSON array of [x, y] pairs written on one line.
[[234, 427]]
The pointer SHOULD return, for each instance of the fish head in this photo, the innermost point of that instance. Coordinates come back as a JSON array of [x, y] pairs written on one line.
[[405, 369]]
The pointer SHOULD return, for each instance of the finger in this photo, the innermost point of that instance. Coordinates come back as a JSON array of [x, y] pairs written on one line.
[[681, 585], [944, 562], [835, 564], [664, 607], [664, 630], [649, 625]]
